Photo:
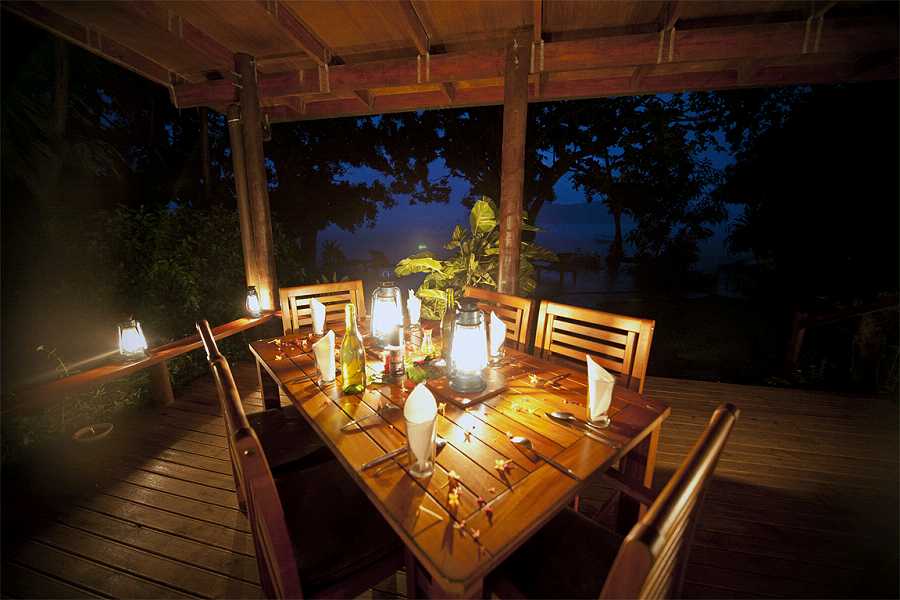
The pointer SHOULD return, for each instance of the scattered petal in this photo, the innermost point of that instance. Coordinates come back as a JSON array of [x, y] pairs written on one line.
[[481, 501], [454, 480], [489, 511], [533, 379], [492, 490], [476, 535], [453, 498], [460, 527], [442, 406]]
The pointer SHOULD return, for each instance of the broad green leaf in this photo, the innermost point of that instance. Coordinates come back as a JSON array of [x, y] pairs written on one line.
[[408, 266], [429, 293], [482, 219]]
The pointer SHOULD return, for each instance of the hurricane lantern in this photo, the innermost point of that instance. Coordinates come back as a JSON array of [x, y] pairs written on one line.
[[387, 314], [253, 306], [469, 348], [132, 343]]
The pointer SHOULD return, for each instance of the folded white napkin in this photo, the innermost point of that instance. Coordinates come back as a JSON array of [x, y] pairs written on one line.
[[414, 308], [600, 389], [318, 316], [324, 352], [498, 334], [420, 412]]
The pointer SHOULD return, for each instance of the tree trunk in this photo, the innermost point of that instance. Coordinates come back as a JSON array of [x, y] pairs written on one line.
[[204, 156], [616, 252]]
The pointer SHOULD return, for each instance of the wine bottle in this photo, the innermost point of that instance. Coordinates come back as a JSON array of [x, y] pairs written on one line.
[[353, 354], [447, 326]]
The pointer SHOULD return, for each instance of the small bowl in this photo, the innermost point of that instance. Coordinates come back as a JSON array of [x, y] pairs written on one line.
[[92, 433]]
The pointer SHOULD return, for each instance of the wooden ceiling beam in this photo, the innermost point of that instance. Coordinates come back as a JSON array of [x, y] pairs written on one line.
[[669, 14], [818, 73], [761, 43], [298, 30], [90, 40], [413, 26]]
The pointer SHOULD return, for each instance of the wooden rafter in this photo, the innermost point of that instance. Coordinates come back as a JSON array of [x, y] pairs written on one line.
[[90, 40], [413, 26], [298, 30], [760, 42]]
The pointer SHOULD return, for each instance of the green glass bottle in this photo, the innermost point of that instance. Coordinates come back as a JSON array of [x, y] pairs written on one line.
[[353, 354], [447, 326]]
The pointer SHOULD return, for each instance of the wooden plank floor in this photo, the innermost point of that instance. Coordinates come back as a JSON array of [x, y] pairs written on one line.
[[805, 502]]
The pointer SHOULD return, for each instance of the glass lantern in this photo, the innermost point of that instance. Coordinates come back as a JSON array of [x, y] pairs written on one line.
[[387, 314], [253, 307], [132, 343], [469, 349]]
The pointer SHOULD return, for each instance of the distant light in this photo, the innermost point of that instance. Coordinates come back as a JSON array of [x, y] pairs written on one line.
[[423, 246]]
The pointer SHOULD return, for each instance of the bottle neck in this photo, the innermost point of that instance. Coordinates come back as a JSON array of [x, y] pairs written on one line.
[[350, 317]]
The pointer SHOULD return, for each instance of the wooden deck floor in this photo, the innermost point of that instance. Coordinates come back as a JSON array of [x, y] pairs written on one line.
[[805, 503]]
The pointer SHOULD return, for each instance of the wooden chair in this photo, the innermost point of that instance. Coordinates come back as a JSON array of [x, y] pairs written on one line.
[[618, 343], [574, 557], [285, 435], [312, 524], [295, 312], [514, 311]]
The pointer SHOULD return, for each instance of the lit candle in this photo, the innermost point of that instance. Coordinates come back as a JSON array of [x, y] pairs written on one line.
[[386, 313]]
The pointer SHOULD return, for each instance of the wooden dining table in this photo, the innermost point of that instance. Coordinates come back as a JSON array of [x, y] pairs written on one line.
[[503, 494]]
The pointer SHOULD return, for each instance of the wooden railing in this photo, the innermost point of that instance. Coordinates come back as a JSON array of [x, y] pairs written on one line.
[[38, 396]]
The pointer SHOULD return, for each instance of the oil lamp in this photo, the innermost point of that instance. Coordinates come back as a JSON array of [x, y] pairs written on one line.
[[387, 314], [469, 348], [253, 308], [132, 343]]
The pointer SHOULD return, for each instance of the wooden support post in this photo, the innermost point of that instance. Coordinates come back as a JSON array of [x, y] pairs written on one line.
[[248, 245], [257, 185], [512, 165], [161, 384]]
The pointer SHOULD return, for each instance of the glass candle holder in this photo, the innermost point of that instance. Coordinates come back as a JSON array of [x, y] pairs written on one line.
[[387, 313], [469, 349]]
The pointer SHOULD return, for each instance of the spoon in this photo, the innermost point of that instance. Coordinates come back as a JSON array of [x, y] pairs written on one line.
[[439, 444], [524, 442], [592, 431]]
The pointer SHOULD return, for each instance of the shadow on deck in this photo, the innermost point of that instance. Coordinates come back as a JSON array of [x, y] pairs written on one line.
[[805, 502]]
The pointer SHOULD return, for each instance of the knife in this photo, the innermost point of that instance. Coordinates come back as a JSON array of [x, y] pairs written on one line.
[[588, 432]]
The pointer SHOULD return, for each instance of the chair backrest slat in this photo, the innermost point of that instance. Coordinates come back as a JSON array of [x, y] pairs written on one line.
[[653, 557], [256, 486], [619, 343], [295, 312], [515, 311]]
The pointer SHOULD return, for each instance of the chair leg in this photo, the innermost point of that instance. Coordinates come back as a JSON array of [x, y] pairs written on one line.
[[411, 586]]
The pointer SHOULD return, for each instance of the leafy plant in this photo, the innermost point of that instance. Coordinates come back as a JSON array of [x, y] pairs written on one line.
[[475, 262]]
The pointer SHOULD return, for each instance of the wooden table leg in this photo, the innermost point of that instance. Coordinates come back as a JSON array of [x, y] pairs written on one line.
[[637, 465], [268, 387]]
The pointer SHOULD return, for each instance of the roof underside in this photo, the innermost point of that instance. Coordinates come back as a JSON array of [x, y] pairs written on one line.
[[331, 58]]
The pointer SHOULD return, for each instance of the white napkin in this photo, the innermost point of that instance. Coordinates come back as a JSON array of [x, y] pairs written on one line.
[[324, 351], [420, 412], [498, 334], [414, 308], [600, 389], [318, 316]]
